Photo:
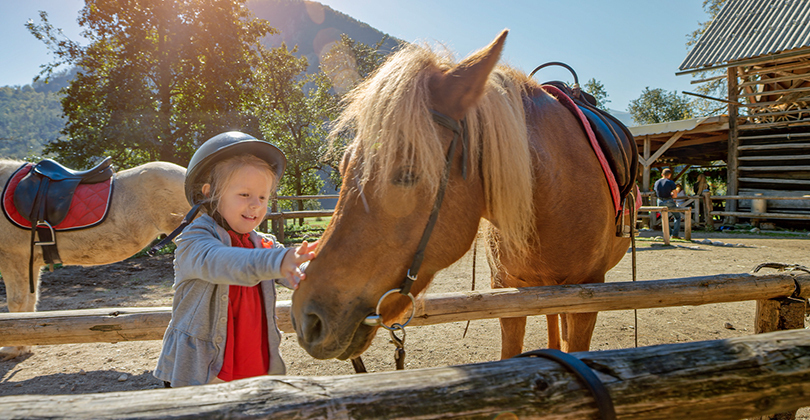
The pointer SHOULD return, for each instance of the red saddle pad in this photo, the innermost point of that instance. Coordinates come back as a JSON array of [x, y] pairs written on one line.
[[89, 206]]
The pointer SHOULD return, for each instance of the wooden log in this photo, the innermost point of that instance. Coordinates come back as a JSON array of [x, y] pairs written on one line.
[[721, 379], [779, 315], [126, 324], [296, 214], [752, 215]]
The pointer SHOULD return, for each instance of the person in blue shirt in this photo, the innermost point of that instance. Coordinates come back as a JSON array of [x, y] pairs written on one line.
[[665, 190]]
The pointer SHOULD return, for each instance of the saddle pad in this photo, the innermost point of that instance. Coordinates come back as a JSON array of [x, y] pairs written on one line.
[[610, 176], [88, 208]]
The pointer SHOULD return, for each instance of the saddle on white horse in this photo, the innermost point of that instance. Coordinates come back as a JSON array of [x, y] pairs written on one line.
[[47, 197]]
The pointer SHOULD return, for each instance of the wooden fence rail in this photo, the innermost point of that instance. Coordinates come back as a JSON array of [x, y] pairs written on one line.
[[703, 206], [278, 218], [134, 324], [721, 379]]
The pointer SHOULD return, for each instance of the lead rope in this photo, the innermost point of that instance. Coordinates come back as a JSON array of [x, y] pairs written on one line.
[[634, 215], [475, 249]]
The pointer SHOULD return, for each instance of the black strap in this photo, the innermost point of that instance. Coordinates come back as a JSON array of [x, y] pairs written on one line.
[[451, 124], [585, 374], [37, 214], [358, 365], [186, 220]]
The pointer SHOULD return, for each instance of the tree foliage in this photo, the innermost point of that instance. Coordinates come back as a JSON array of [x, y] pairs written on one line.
[[294, 111], [657, 106], [597, 90], [31, 116], [157, 78], [346, 64]]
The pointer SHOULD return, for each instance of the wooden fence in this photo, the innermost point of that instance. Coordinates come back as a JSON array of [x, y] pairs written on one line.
[[135, 324], [718, 380], [724, 379], [703, 207], [278, 217]]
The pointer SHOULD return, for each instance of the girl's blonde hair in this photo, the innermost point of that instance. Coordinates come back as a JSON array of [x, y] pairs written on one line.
[[222, 173]]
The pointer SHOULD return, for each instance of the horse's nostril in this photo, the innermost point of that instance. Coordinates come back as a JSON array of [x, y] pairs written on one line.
[[313, 328]]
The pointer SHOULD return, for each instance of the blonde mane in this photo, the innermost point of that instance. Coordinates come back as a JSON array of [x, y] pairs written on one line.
[[389, 115]]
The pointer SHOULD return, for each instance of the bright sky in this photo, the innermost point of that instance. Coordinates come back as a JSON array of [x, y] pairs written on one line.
[[625, 44]]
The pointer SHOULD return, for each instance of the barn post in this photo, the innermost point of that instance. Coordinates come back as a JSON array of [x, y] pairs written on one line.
[[645, 176], [776, 315], [733, 142]]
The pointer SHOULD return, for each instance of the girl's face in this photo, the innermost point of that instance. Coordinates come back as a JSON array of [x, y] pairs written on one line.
[[243, 202]]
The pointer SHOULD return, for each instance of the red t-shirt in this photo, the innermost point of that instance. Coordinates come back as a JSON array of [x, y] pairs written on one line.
[[247, 352]]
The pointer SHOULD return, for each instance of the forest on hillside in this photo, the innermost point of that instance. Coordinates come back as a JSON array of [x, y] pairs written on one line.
[[31, 116]]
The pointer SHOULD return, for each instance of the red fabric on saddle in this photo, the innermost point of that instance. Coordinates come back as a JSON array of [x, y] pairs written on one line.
[[611, 179], [89, 205]]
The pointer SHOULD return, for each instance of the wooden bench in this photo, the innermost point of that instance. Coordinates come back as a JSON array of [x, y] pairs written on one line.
[[664, 210]]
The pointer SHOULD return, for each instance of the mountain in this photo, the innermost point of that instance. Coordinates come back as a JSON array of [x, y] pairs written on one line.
[[622, 116], [313, 27], [31, 116]]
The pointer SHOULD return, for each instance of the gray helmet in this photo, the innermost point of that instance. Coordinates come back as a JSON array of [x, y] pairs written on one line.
[[223, 146]]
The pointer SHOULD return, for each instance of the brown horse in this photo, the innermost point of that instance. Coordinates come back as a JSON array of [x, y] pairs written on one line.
[[531, 173], [147, 200]]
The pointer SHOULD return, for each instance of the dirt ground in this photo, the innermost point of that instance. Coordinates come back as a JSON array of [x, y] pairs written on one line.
[[87, 368]]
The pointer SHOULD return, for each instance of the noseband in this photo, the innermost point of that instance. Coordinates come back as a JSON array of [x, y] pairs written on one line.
[[459, 132]]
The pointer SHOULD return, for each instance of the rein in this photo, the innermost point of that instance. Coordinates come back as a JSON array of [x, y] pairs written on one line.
[[404, 289]]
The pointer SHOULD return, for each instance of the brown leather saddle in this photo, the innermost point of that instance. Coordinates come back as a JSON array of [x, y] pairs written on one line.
[[43, 197], [614, 139]]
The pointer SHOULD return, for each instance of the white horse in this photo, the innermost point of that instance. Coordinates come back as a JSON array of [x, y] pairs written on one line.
[[147, 200]]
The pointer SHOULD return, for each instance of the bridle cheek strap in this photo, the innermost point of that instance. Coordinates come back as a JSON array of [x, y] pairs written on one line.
[[458, 132]]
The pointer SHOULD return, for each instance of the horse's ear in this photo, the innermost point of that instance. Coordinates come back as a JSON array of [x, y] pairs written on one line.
[[458, 89]]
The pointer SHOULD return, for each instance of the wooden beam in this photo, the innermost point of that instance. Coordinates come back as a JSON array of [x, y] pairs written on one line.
[[645, 163], [133, 324], [733, 141], [780, 157], [719, 380], [776, 146], [666, 146], [777, 181], [752, 215]]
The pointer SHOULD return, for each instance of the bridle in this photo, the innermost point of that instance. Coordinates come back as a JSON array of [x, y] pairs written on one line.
[[459, 132]]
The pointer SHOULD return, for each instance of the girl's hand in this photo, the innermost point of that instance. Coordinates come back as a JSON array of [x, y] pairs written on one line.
[[294, 258]]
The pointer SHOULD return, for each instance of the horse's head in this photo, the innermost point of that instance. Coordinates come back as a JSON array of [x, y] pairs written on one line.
[[392, 173]]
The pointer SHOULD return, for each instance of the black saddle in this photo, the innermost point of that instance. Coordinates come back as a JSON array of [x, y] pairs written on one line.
[[615, 140], [44, 195], [43, 198]]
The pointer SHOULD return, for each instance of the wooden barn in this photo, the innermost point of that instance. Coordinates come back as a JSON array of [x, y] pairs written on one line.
[[762, 49]]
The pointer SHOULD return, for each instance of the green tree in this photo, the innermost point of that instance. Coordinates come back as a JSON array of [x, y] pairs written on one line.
[[294, 111], [716, 84], [657, 106], [597, 90], [28, 119], [346, 64], [157, 78]]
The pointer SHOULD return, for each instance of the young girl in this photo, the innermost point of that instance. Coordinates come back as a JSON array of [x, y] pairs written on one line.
[[223, 323]]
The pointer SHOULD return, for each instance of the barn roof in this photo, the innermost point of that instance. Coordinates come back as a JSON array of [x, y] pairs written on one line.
[[747, 29]]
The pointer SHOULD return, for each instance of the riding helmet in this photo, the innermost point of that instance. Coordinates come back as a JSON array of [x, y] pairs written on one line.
[[223, 146]]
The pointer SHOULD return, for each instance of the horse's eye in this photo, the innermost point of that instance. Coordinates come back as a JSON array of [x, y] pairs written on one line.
[[405, 178]]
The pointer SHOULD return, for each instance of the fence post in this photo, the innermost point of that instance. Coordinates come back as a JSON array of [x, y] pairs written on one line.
[[707, 206], [775, 315], [274, 209]]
